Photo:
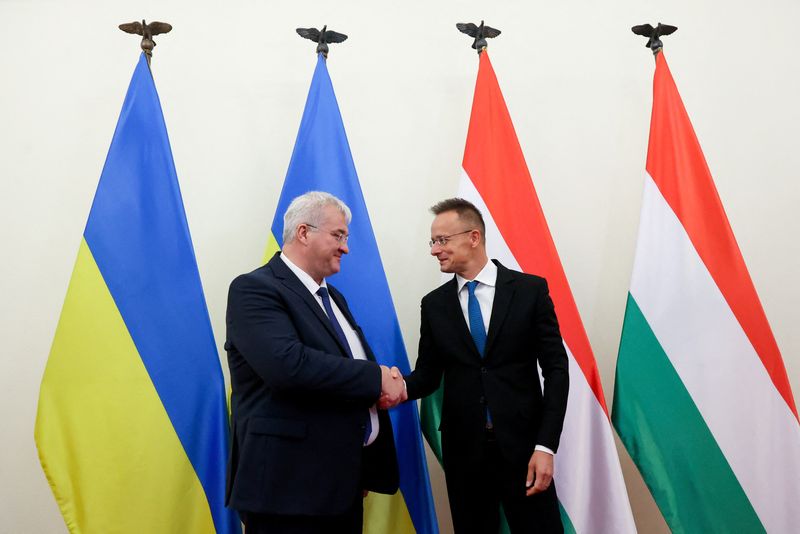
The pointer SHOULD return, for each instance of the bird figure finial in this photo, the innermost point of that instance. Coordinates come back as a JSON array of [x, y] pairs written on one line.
[[147, 31], [480, 33], [653, 34], [322, 38]]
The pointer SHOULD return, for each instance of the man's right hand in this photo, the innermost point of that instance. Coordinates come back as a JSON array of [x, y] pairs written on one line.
[[393, 388]]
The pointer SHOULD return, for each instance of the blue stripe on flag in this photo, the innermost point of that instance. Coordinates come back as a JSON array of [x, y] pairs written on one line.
[[138, 234]]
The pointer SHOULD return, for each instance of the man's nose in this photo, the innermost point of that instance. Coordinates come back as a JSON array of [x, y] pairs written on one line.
[[344, 248]]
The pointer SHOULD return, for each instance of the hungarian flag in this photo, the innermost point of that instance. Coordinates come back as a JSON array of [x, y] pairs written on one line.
[[495, 178], [701, 401]]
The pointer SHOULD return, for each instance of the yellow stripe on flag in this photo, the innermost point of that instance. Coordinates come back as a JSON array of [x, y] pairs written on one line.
[[272, 248], [105, 442], [387, 513]]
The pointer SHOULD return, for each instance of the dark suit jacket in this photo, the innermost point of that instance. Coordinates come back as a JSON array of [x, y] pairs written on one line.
[[523, 330], [299, 404]]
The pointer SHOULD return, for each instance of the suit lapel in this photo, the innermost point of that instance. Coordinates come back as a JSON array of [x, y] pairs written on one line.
[[290, 280], [503, 295]]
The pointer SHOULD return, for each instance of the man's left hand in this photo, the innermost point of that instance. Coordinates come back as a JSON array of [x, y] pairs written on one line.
[[540, 473]]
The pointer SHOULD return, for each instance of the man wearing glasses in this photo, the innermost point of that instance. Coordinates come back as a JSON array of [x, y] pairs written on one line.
[[307, 438], [485, 331]]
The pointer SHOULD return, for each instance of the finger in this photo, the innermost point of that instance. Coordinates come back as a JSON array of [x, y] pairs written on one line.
[[396, 373], [542, 483], [529, 480]]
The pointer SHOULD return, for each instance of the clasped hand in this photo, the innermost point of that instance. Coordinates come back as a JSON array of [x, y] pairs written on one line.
[[393, 388]]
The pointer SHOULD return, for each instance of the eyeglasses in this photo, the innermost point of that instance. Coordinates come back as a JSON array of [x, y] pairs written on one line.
[[340, 237], [443, 239]]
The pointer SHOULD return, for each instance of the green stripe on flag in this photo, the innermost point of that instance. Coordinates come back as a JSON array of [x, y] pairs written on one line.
[[430, 417], [669, 441], [569, 528]]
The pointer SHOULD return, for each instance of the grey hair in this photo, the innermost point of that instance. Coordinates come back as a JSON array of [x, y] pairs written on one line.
[[307, 209]]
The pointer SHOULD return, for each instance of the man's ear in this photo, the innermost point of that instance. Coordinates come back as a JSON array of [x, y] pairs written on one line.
[[301, 233], [475, 238]]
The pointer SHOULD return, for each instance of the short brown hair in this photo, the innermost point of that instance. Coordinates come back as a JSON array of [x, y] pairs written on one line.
[[466, 211]]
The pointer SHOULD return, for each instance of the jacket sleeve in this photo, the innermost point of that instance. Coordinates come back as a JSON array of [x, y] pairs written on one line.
[[261, 328], [427, 375], [553, 361]]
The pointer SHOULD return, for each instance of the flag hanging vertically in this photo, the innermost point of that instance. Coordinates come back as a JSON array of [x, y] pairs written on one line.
[[495, 178], [321, 161], [702, 401], [132, 427]]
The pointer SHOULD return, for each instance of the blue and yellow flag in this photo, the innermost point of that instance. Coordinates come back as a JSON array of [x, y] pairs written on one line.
[[321, 161], [132, 426]]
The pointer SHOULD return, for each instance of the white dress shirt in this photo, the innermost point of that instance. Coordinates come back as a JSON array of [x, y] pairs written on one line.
[[356, 348], [484, 292]]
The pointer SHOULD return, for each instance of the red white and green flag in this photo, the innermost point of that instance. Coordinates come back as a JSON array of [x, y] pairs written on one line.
[[495, 178], [701, 401]]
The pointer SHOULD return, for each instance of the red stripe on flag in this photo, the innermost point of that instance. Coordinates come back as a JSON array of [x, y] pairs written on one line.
[[676, 163], [494, 162]]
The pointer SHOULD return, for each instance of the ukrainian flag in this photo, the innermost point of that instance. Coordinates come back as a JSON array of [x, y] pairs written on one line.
[[132, 426], [321, 161]]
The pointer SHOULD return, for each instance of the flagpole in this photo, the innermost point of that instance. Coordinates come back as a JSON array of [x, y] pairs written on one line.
[[147, 31], [479, 33]]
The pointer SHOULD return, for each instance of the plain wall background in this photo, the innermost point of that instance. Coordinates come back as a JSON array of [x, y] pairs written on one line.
[[233, 79]]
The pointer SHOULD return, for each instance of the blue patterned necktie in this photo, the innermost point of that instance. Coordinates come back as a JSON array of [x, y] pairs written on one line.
[[477, 329], [326, 303], [476, 326]]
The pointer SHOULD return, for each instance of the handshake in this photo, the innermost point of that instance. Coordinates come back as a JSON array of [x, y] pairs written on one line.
[[393, 388]]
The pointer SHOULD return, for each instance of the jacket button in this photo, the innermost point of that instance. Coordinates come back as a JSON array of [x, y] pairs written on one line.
[[482, 400], [483, 370]]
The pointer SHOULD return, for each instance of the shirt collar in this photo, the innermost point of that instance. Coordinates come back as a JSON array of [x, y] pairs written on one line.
[[487, 276], [304, 277]]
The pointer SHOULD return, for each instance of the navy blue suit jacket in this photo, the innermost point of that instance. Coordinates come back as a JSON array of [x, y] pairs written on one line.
[[299, 403]]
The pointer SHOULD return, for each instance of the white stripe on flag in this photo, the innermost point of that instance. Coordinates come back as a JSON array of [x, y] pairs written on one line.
[[749, 419], [496, 245], [588, 475]]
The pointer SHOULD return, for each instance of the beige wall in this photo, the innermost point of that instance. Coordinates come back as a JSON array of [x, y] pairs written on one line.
[[233, 79]]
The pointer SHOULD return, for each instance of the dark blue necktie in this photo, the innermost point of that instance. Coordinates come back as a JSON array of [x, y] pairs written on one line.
[[476, 326], [477, 329], [326, 303]]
